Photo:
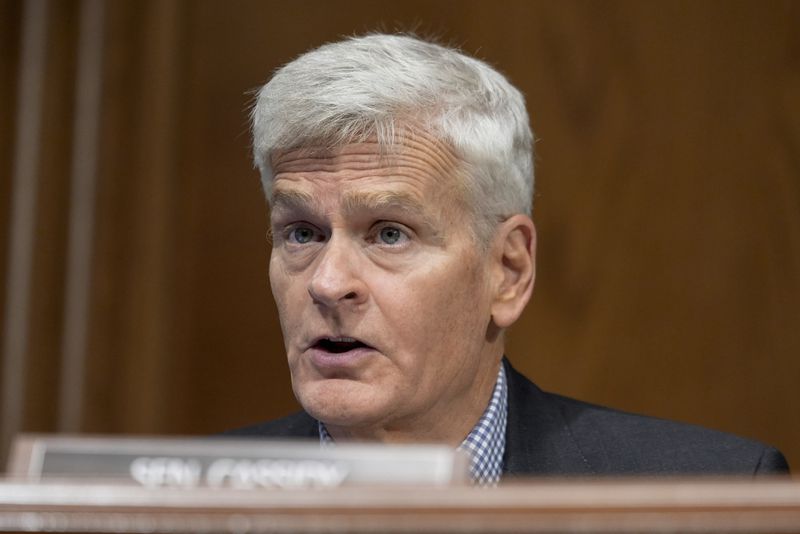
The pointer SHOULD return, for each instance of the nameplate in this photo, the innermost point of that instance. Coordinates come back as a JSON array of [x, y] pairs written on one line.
[[233, 463]]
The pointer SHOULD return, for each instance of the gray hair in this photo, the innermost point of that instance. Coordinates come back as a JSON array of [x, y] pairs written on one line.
[[373, 86]]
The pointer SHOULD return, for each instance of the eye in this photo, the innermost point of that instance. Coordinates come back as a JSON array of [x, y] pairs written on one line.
[[390, 235], [302, 235]]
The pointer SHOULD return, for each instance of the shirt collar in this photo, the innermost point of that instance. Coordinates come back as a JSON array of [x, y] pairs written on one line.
[[486, 442]]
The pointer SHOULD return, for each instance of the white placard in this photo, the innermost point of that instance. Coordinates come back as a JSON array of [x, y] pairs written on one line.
[[233, 463]]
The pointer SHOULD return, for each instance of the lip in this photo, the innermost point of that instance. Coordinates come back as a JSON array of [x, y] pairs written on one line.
[[333, 361]]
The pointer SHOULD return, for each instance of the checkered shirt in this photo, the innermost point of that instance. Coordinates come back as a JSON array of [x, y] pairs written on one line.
[[486, 442]]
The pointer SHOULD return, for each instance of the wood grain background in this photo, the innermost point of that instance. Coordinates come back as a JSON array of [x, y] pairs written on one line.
[[667, 205]]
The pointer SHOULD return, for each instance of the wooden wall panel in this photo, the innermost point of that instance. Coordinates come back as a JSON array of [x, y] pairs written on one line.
[[669, 245], [667, 205], [39, 316], [9, 58], [47, 289], [10, 17], [131, 334]]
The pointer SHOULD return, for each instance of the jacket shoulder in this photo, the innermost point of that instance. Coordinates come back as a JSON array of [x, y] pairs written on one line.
[[619, 442], [298, 425], [556, 435]]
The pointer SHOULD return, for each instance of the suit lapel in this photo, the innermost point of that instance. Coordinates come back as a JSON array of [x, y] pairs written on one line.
[[538, 438]]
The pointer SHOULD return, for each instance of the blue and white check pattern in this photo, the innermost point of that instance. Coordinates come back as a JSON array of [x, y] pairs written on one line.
[[486, 442]]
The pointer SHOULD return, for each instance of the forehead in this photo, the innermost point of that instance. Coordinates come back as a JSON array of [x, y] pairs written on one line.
[[417, 170]]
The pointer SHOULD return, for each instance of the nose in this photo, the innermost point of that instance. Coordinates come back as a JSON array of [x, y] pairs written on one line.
[[337, 280]]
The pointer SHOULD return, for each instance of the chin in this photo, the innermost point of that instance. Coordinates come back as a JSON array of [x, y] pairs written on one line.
[[340, 402]]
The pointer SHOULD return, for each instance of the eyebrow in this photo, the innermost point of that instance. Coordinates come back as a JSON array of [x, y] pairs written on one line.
[[354, 202], [290, 200], [383, 200]]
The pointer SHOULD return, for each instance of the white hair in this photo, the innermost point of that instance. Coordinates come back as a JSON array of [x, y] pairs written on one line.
[[373, 86]]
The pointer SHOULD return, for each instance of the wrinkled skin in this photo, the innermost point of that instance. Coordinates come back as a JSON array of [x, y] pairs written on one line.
[[386, 300]]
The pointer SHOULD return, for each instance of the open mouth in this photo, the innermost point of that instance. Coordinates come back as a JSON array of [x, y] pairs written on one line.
[[340, 344]]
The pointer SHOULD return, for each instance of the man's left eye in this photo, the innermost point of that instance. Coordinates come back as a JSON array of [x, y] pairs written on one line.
[[391, 235]]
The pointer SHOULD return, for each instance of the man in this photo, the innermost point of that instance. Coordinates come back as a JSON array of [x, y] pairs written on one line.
[[400, 178]]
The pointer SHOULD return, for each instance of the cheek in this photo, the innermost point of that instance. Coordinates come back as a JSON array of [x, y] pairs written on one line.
[[282, 285], [276, 284], [442, 306], [283, 281]]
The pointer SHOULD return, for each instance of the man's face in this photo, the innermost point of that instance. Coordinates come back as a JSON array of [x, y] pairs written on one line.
[[382, 292]]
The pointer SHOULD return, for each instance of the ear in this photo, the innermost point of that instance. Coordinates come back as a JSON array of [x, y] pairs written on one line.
[[514, 258]]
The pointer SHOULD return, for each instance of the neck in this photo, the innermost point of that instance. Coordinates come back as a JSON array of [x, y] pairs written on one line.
[[443, 423]]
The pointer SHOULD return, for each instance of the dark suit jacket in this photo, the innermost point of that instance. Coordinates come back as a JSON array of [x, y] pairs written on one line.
[[549, 434]]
